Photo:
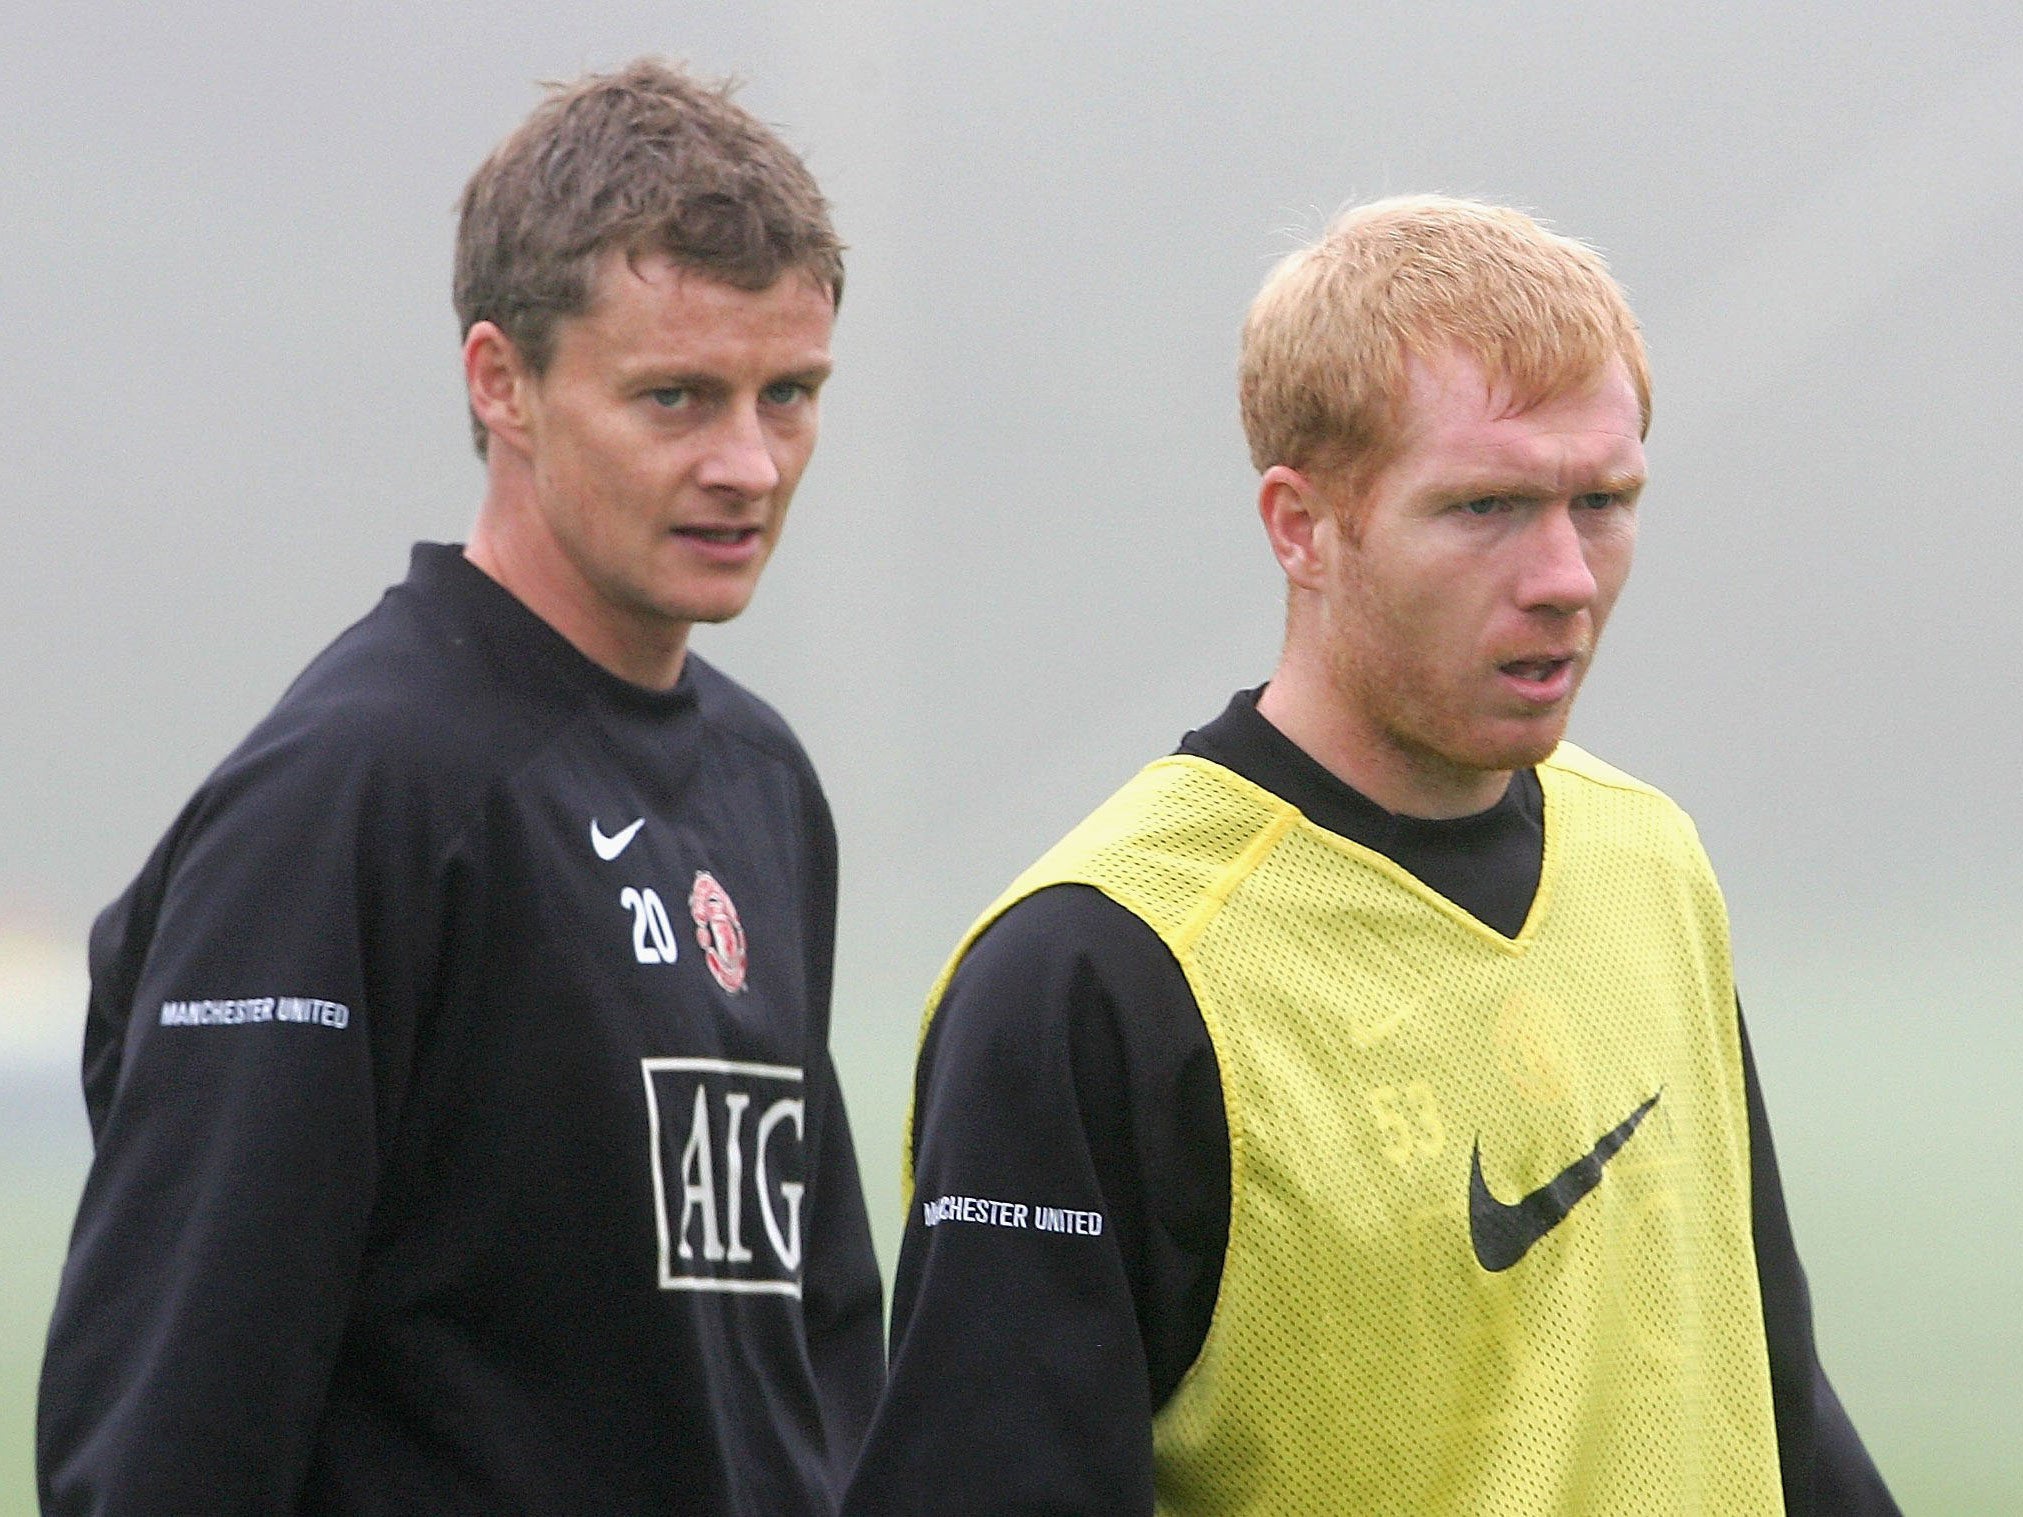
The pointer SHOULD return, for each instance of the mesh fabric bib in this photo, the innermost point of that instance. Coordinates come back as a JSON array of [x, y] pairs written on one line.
[[1375, 1347]]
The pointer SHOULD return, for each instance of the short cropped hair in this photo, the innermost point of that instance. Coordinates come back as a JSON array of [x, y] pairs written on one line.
[[647, 160], [1329, 340]]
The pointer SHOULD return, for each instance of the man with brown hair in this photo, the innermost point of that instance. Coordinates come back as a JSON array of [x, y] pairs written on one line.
[[466, 1134], [1353, 1113]]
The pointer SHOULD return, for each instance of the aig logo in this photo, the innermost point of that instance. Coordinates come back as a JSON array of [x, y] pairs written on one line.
[[727, 1144]]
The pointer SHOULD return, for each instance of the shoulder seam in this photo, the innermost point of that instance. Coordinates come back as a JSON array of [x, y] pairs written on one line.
[[783, 747], [1596, 771], [778, 752], [1224, 885]]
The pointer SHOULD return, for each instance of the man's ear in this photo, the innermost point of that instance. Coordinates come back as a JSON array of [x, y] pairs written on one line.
[[1294, 509], [498, 381]]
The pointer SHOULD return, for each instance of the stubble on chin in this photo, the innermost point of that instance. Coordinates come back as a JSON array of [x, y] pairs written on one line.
[[1435, 732]]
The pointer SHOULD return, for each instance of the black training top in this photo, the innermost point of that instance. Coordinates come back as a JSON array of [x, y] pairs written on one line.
[[1069, 1060], [466, 1136]]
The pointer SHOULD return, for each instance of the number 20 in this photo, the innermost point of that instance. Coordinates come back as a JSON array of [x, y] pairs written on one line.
[[652, 933]]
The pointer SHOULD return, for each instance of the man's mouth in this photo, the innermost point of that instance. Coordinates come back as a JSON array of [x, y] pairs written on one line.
[[1535, 671], [1542, 683], [727, 536]]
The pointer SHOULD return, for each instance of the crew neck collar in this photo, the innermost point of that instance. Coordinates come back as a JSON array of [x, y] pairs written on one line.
[[521, 637], [1488, 863]]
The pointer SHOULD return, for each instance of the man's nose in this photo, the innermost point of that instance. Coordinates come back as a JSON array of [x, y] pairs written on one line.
[[740, 456], [1556, 575]]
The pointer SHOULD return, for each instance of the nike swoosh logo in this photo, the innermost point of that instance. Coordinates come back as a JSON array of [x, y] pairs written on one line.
[[608, 848], [1503, 1232]]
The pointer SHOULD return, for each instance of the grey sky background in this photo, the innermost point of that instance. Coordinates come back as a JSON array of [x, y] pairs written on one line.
[[1026, 560]]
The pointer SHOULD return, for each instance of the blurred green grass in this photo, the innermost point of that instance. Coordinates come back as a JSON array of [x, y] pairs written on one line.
[[1891, 1074], [44, 1149]]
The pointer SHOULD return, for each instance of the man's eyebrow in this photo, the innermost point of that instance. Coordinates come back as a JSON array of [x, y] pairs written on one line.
[[1487, 485], [663, 376], [813, 372]]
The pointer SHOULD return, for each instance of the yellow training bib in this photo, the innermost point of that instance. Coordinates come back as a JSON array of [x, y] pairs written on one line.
[[1489, 1246]]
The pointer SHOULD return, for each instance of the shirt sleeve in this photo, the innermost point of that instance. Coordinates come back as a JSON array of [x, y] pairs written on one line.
[[1065, 1240], [843, 1305], [1826, 1470], [254, 996], [843, 1297]]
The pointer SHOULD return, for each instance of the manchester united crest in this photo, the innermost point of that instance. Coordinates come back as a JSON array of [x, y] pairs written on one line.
[[718, 930]]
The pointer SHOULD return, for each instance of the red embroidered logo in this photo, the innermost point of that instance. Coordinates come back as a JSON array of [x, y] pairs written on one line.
[[718, 930]]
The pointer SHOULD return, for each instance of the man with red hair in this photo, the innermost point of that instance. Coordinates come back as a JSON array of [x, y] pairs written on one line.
[[1353, 1114]]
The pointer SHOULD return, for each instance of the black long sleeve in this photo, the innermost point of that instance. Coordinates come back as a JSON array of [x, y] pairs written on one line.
[[843, 1301], [238, 1146], [1026, 1366]]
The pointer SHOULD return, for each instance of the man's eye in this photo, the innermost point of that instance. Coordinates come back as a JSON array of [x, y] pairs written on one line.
[[1487, 505], [785, 392], [1597, 500], [669, 396]]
